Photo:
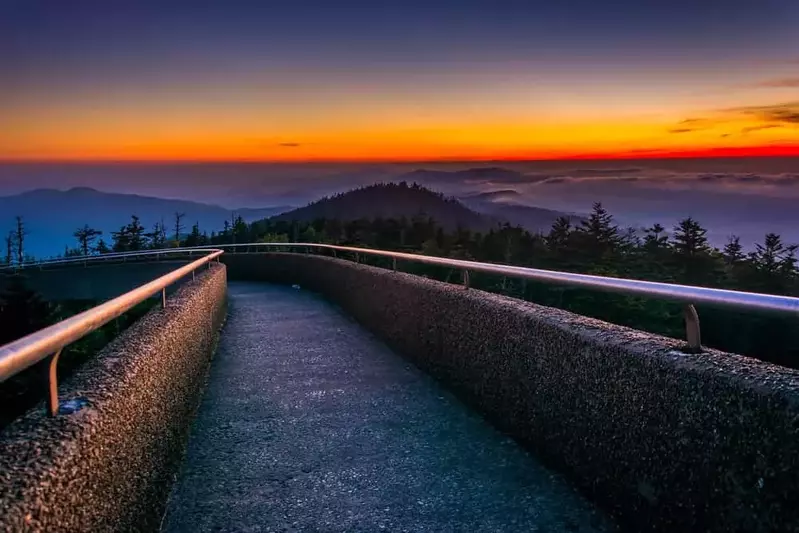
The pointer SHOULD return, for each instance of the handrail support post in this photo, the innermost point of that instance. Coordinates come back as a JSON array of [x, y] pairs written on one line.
[[692, 331], [52, 383], [163, 298], [466, 279]]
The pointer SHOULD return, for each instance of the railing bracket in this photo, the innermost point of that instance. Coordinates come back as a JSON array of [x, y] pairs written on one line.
[[692, 331], [52, 383]]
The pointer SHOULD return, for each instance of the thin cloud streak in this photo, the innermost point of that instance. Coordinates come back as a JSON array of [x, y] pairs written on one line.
[[780, 83]]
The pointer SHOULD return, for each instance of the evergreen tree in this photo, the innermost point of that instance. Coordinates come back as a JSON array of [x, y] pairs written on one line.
[[131, 237], [20, 235], [194, 238], [774, 264], [178, 227], [558, 238], [157, 237], [240, 230], [9, 247], [733, 251], [655, 238], [101, 247], [692, 253], [599, 234], [86, 237]]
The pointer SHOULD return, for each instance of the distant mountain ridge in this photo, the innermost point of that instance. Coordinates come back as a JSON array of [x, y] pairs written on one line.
[[502, 205], [477, 174], [51, 215], [391, 200]]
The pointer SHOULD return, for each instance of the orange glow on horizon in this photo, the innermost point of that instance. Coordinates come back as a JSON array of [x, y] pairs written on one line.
[[733, 133]]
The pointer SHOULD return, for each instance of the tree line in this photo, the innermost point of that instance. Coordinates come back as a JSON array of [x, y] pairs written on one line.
[[595, 245]]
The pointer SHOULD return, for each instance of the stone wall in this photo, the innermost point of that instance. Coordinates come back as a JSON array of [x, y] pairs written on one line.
[[110, 465], [667, 441]]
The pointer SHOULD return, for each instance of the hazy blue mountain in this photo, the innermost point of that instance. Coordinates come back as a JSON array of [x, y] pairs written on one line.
[[392, 200], [51, 216], [504, 205]]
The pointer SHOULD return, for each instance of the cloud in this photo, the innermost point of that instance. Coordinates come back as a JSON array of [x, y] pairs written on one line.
[[289, 145], [787, 180], [693, 124], [787, 113], [770, 116], [779, 83], [598, 172], [760, 127]]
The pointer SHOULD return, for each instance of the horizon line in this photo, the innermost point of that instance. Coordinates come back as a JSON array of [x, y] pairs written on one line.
[[793, 152]]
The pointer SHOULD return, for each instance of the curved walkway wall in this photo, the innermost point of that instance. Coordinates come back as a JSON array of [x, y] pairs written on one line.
[[93, 282], [667, 441], [110, 465]]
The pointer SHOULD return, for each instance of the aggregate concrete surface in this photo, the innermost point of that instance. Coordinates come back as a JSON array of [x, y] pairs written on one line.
[[665, 441], [311, 424], [109, 467]]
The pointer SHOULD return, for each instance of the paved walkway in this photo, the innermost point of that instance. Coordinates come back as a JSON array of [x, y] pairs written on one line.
[[311, 424]]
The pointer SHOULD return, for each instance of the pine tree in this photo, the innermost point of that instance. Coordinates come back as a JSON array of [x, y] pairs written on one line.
[[86, 236], [20, 235], [121, 240], [655, 238], [136, 234], [774, 264], [157, 237], [194, 238], [178, 227], [602, 234], [558, 237], [240, 230], [733, 251], [131, 237], [692, 253], [101, 247], [9, 247]]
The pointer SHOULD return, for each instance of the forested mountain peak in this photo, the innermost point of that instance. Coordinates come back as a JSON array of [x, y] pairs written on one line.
[[391, 200]]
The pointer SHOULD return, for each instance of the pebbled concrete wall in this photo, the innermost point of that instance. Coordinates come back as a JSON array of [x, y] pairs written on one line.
[[665, 440], [94, 282], [110, 466]]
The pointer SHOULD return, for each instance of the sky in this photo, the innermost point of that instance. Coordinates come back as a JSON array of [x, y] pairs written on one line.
[[306, 81]]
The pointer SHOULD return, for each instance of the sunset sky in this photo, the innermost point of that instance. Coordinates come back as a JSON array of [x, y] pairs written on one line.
[[397, 81]]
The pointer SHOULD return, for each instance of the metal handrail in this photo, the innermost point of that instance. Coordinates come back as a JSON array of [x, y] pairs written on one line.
[[50, 341], [84, 259], [24, 352], [687, 295]]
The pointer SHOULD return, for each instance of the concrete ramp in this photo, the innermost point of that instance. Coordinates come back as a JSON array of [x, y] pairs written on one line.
[[311, 424]]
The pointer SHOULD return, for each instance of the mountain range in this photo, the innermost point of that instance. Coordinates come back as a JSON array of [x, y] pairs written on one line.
[[51, 216], [391, 200], [479, 212]]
